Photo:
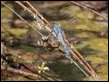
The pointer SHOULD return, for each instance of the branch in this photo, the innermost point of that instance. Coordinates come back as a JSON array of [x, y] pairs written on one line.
[[82, 6], [20, 71], [34, 10]]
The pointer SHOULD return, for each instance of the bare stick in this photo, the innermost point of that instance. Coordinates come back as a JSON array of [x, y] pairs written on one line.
[[31, 6], [80, 5], [23, 6], [84, 62], [19, 71], [80, 58], [22, 18]]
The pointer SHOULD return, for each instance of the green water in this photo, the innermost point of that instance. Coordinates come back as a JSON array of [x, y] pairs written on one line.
[[94, 48]]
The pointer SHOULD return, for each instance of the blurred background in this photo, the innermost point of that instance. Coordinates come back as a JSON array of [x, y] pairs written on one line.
[[87, 31]]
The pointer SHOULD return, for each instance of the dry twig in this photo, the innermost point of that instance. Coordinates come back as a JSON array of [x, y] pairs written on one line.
[[95, 12]]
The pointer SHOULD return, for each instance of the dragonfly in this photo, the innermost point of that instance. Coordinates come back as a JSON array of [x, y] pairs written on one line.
[[59, 34]]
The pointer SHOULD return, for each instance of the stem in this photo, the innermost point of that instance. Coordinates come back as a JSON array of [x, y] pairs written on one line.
[[21, 18], [95, 12]]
